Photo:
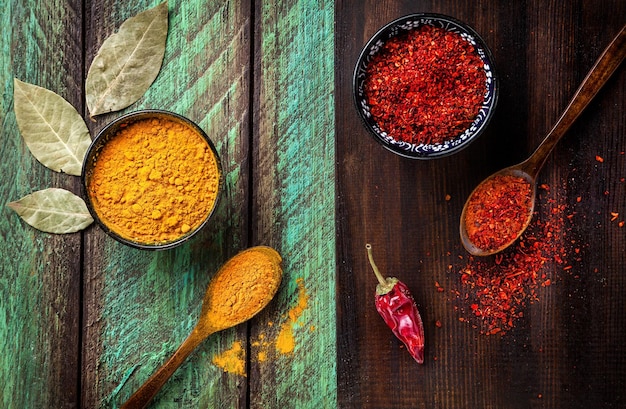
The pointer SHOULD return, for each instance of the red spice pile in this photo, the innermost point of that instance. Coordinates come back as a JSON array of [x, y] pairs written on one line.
[[425, 86], [495, 290], [497, 211]]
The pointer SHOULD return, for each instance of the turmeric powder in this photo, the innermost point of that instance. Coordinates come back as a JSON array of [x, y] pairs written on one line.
[[154, 181], [232, 360], [242, 287], [285, 342]]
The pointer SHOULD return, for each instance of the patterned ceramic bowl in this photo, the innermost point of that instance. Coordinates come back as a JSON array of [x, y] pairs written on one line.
[[424, 146], [152, 179]]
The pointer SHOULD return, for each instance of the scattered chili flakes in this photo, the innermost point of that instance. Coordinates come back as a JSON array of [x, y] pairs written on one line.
[[621, 224], [494, 291], [425, 86], [599, 158], [448, 197], [614, 216], [439, 287], [438, 324]]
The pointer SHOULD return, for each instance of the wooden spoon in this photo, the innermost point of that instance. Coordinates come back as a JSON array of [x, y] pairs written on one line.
[[239, 290], [604, 67]]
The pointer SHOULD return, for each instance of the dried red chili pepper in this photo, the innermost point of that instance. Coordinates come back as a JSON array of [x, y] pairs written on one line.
[[396, 305]]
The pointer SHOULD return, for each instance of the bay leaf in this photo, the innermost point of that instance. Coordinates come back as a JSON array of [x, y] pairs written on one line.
[[53, 210], [51, 127], [127, 62]]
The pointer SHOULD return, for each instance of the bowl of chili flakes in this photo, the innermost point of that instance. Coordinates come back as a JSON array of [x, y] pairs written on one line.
[[425, 86]]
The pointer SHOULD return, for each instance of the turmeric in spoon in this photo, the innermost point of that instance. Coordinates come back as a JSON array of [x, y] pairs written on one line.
[[239, 290]]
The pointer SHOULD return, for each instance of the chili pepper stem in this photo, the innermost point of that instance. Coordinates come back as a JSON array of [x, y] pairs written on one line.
[[384, 284], [379, 276]]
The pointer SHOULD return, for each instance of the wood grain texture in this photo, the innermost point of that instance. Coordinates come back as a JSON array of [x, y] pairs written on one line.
[[272, 86], [565, 352], [104, 316], [293, 200], [39, 272], [139, 306]]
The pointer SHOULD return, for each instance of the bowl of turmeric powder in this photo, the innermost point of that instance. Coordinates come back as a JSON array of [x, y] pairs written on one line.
[[152, 179]]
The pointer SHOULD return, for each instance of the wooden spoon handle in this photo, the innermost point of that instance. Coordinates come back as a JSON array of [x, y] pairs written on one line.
[[604, 67], [151, 387]]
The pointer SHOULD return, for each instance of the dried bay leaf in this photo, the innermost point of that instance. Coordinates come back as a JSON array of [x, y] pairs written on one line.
[[127, 62], [51, 127], [53, 211]]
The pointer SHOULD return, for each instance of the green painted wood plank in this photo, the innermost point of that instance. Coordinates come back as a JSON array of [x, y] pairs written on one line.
[[39, 272], [139, 306], [294, 202]]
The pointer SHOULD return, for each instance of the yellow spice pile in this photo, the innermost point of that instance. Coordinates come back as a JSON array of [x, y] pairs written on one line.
[[154, 181]]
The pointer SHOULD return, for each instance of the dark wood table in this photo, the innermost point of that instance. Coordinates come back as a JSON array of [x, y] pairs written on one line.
[[87, 319]]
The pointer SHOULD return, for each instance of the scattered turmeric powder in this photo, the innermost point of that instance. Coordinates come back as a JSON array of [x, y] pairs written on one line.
[[285, 342], [232, 360], [154, 181]]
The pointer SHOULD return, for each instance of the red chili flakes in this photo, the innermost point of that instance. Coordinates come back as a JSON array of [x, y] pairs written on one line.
[[497, 210], [438, 324], [614, 216], [599, 159], [494, 291], [621, 224], [579, 199], [448, 197], [425, 86], [439, 287]]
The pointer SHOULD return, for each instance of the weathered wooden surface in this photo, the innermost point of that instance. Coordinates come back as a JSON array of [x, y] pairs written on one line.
[[139, 306], [39, 273], [293, 201], [87, 320], [566, 352], [98, 317]]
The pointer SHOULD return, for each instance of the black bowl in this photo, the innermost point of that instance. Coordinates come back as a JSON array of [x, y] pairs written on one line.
[[401, 26], [105, 135]]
